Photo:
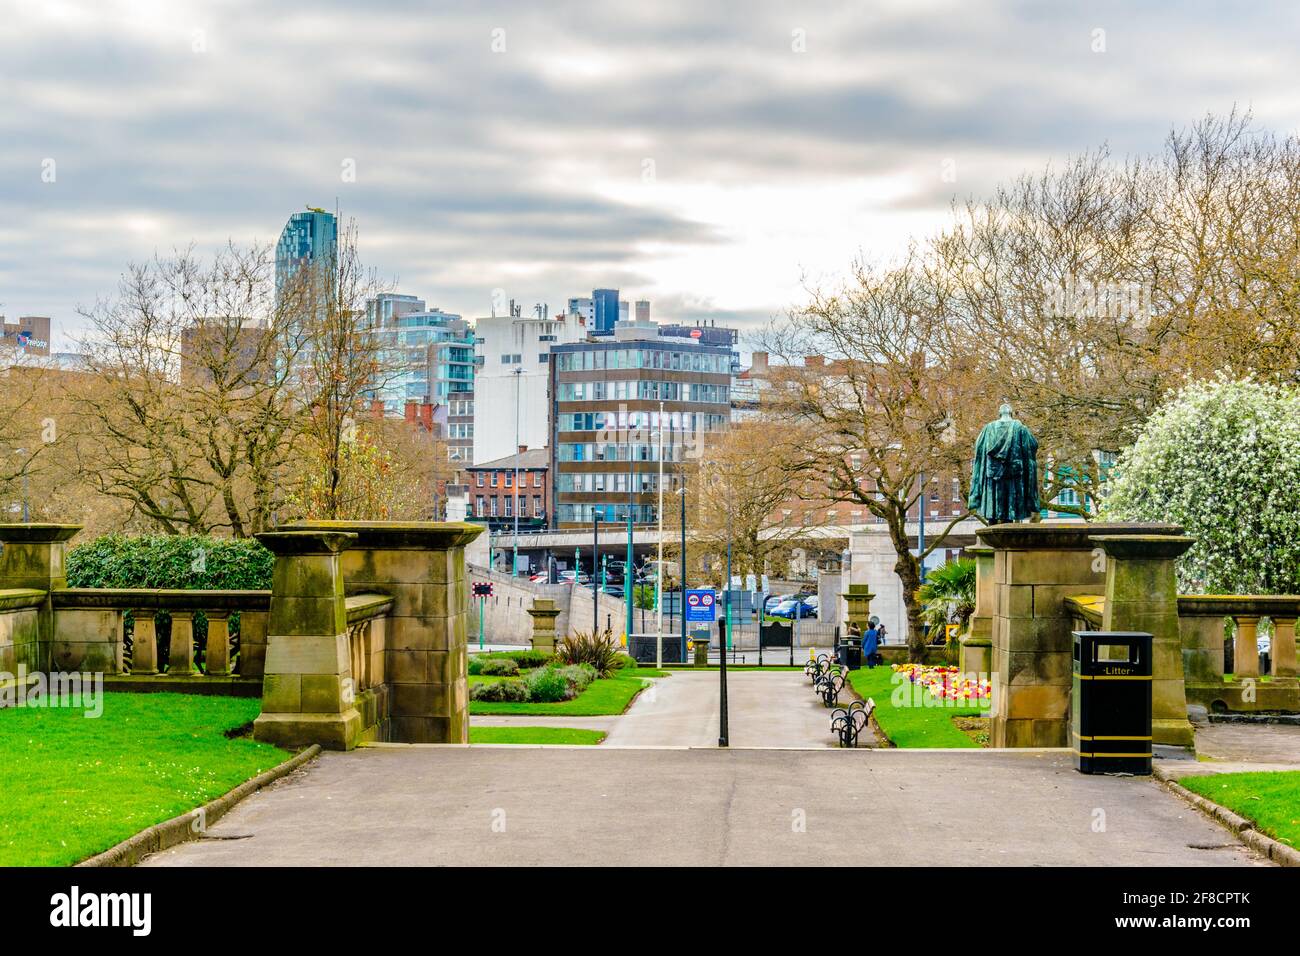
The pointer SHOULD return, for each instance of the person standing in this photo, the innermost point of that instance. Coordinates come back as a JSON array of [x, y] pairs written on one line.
[[870, 644]]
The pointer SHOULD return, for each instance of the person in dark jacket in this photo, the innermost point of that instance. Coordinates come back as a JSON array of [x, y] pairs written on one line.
[[870, 642]]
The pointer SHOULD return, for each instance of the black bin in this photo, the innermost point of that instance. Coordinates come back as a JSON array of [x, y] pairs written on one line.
[[849, 654], [1110, 708]]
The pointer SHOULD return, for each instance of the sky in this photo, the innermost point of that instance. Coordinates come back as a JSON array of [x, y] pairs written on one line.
[[719, 159]]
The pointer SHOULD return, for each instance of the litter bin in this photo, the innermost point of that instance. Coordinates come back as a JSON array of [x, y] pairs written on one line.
[[1110, 708], [849, 654]]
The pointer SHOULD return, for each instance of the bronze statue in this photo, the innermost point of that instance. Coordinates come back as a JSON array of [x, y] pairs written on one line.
[[1004, 486]]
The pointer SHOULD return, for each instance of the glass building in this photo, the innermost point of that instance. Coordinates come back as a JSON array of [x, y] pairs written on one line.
[[604, 309], [606, 396], [309, 239]]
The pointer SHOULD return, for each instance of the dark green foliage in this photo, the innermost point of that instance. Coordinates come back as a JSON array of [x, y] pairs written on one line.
[[499, 667], [191, 562], [499, 690], [599, 650]]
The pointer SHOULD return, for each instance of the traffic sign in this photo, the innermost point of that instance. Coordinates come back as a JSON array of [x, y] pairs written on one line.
[[701, 606], [482, 589]]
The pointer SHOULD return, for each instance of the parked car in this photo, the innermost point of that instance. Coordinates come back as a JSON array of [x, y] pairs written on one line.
[[795, 606], [614, 590], [567, 577]]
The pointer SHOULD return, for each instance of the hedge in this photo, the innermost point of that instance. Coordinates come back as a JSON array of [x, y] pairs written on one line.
[[190, 562]]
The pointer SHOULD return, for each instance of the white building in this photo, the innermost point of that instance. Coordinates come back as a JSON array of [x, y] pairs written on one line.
[[514, 361]]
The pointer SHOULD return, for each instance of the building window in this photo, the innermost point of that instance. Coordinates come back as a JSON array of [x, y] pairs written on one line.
[[494, 479], [480, 506], [494, 506], [509, 479], [543, 358], [478, 478], [510, 510], [537, 479], [537, 506]]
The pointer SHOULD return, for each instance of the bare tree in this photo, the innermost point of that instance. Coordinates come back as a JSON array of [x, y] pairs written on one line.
[[887, 410]]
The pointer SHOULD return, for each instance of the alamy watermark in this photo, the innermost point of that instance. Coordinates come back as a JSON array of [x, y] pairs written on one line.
[[74, 690]]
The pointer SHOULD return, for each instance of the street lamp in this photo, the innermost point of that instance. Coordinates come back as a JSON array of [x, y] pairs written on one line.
[[514, 565]]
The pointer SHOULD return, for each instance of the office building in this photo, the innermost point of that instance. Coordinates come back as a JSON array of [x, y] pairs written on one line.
[[309, 240], [606, 393], [510, 380]]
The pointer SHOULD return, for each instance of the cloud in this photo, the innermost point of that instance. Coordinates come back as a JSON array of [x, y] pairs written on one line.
[[706, 156]]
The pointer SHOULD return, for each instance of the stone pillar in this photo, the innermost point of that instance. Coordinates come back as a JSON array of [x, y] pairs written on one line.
[[1202, 647], [307, 691], [1035, 567], [1245, 646], [977, 642], [1284, 664], [1142, 595], [217, 656], [544, 612], [31, 556], [421, 565], [180, 659], [144, 643], [858, 601], [252, 643]]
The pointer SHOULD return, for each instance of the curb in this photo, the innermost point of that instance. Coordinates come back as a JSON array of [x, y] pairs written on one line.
[[180, 829], [1243, 829]]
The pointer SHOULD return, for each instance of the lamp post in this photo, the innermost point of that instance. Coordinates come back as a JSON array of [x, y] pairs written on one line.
[[627, 566], [659, 567], [681, 607], [514, 561], [595, 549]]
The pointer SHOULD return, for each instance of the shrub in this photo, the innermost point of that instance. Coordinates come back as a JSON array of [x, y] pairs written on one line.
[[499, 667], [499, 691], [170, 561], [525, 659], [579, 677], [624, 661], [475, 664], [547, 685], [599, 650]]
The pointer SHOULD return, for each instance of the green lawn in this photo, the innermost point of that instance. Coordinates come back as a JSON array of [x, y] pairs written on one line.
[[602, 697], [72, 786], [1270, 799], [911, 726], [534, 735]]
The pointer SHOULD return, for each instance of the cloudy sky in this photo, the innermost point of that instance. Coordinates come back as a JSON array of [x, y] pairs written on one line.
[[711, 157]]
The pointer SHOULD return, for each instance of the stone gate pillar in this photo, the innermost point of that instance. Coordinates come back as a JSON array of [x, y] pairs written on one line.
[[307, 690], [1142, 595], [31, 556], [1036, 566], [858, 601], [421, 565]]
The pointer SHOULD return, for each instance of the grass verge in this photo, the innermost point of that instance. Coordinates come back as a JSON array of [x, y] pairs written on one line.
[[1269, 799], [74, 786], [534, 735], [611, 695], [906, 724]]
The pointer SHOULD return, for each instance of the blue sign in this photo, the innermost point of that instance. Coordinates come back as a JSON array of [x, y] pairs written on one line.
[[701, 606]]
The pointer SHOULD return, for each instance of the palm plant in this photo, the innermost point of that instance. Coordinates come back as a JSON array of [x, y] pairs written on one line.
[[948, 594]]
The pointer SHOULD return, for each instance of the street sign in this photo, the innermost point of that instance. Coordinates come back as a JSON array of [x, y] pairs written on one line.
[[483, 589], [701, 606]]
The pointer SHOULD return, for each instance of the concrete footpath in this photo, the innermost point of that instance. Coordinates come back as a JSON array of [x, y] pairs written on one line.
[[521, 806], [765, 709]]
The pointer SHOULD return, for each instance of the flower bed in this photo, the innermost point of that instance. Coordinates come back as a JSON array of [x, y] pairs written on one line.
[[945, 683]]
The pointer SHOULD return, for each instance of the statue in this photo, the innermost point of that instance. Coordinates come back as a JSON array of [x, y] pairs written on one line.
[[1004, 486]]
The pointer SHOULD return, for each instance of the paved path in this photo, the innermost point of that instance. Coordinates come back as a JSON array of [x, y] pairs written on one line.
[[772, 709], [1237, 748], [597, 805]]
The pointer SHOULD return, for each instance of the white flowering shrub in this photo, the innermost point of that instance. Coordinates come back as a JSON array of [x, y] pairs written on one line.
[[1221, 458]]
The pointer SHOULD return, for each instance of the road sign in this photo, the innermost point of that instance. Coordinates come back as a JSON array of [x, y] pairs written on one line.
[[701, 606], [483, 589]]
